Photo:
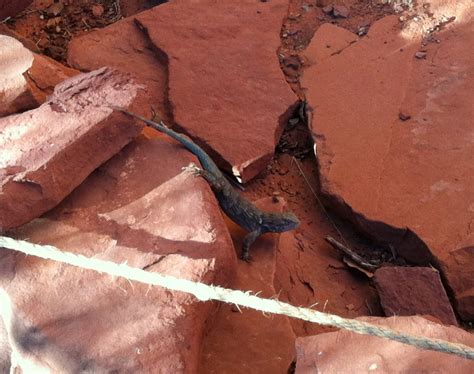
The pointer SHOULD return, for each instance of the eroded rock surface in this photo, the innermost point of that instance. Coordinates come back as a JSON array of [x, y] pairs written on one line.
[[394, 143], [225, 84], [47, 152], [362, 353], [408, 291], [133, 210]]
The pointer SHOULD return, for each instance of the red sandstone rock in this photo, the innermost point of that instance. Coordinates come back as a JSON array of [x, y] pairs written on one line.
[[328, 40], [46, 153], [123, 46], [249, 341], [140, 209], [9, 8], [460, 271], [347, 352], [15, 95], [225, 83], [409, 184], [412, 291], [44, 75]]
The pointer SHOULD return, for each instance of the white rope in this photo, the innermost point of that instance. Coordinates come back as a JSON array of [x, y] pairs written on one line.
[[205, 292]]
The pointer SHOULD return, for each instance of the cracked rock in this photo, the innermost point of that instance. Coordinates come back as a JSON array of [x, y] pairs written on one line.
[[408, 186], [225, 83], [47, 152]]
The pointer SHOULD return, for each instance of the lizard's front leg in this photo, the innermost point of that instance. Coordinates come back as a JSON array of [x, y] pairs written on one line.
[[215, 182], [248, 241], [193, 168]]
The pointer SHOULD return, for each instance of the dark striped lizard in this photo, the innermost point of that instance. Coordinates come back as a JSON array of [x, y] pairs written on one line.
[[237, 208]]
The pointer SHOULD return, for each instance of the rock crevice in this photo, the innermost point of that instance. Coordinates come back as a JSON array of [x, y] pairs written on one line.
[[393, 144]]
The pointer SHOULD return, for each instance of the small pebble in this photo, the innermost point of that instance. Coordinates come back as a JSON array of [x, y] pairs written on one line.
[[340, 11], [397, 8], [54, 9], [328, 9], [420, 55], [404, 116], [294, 17], [97, 10]]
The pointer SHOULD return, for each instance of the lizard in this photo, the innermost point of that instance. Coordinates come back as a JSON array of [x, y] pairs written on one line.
[[234, 205]]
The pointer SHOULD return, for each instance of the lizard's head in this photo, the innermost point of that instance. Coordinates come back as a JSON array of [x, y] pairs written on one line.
[[279, 222]]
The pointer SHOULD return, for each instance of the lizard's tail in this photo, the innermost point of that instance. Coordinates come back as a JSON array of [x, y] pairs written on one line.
[[205, 160]]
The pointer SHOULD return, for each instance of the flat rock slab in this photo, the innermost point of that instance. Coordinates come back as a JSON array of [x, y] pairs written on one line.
[[394, 143], [406, 291], [168, 222], [348, 352], [226, 87], [125, 47], [47, 152], [247, 340]]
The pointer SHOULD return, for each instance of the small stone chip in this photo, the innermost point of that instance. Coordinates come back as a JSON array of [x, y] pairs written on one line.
[[54, 9], [97, 10], [340, 11], [420, 55], [328, 9], [404, 116]]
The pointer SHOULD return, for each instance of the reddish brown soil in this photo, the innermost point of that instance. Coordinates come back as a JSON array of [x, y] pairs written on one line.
[[295, 178], [51, 24]]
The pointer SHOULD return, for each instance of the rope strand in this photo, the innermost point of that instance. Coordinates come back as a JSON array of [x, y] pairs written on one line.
[[206, 292]]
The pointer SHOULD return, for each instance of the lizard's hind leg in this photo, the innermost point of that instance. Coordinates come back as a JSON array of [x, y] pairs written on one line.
[[248, 241]]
